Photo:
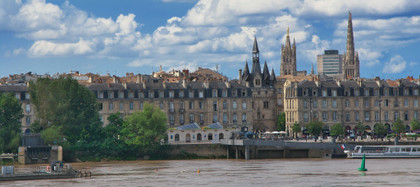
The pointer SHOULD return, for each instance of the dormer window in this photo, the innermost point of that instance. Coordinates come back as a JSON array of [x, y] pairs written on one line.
[[334, 93], [257, 82], [214, 93]]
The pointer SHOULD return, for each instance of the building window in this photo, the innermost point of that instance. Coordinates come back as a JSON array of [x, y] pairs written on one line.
[[386, 116], [201, 94], [181, 93], [181, 119], [161, 105], [225, 118], [214, 105], [141, 105], [334, 116], [224, 93], [366, 102], [27, 96], [234, 105], [324, 93], [416, 115], [396, 115], [141, 95], [416, 103], [244, 105], [386, 102], [224, 104], [101, 95], [324, 116], [366, 116], [201, 118], [366, 92], [121, 106], [406, 115], [305, 104], [334, 103], [356, 103], [171, 94], [265, 104], [406, 91], [376, 116], [191, 105], [191, 118], [305, 117], [28, 108], [324, 104], [234, 118], [131, 95], [347, 103], [214, 93], [405, 102], [244, 118], [334, 93], [315, 104], [171, 119], [181, 105], [214, 118], [396, 103], [131, 105], [376, 92], [191, 94], [347, 116], [111, 106], [243, 93], [356, 92], [415, 92], [28, 120], [233, 93], [171, 107], [200, 105], [356, 115]]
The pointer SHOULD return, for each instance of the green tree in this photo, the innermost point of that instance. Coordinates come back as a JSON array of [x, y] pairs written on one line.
[[65, 103], [10, 123], [281, 121], [415, 125], [360, 128], [398, 126], [337, 130], [52, 135], [315, 128], [144, 129], [380, 130], [296, 128]]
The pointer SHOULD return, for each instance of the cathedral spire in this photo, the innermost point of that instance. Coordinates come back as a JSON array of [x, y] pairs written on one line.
[[255, 47], [351, 60], [256, 68], [288, 39], [350, 42], [266, 73]]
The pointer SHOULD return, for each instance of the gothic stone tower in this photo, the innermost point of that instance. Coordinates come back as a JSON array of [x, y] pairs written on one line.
[[288, 57], [351, 59]]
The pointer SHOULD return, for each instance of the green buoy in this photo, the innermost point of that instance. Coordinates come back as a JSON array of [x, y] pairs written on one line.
[[362, 167]]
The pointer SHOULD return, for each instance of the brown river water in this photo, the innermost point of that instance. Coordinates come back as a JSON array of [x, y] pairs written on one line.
[[276, 172]]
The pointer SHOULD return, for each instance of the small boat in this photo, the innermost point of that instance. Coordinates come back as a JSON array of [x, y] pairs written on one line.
[[384, 151]]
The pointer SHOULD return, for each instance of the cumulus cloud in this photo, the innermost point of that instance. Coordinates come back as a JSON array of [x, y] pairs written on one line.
[[47, 48], [395, 65]]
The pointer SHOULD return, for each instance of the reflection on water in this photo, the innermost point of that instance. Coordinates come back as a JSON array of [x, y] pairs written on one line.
[[290, 172]]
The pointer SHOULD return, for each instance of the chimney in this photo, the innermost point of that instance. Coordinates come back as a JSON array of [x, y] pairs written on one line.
[[144, 85], [114, 79], [184, 83], [227, 84], [124, 84], [240, 75], [359, 82], [90, 79], [339, 83], [206, 84]]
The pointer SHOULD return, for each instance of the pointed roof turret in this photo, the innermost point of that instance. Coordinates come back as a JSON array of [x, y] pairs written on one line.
[[246, 71], [272, 76], [350, 42], [266, 73], [255, 47], [288, 39]]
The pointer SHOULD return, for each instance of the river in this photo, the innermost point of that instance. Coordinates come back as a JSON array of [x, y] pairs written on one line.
[[276, 172]]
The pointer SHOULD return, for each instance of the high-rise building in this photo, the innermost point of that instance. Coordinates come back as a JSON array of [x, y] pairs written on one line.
[[330, 63], [351, 59]]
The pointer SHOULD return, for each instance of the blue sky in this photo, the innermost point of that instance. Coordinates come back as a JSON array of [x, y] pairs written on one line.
[[109, 36]]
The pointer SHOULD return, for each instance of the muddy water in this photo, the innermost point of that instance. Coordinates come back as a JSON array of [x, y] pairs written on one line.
[[280, 172]]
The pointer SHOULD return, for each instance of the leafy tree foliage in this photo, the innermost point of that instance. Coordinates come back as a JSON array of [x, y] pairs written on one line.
[[315, 128], [380, 130], [144, 129], [52, 135], [415, 125], [282, 121], [296, 128], [65, 103], [337, 130], [10, 123], [360, 128], [398, 126]]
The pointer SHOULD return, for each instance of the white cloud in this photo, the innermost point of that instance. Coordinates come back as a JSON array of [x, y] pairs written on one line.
[[395, 65], [47, 48]]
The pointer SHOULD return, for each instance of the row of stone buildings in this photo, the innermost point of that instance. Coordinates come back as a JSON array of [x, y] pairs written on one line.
[[253, 100]]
